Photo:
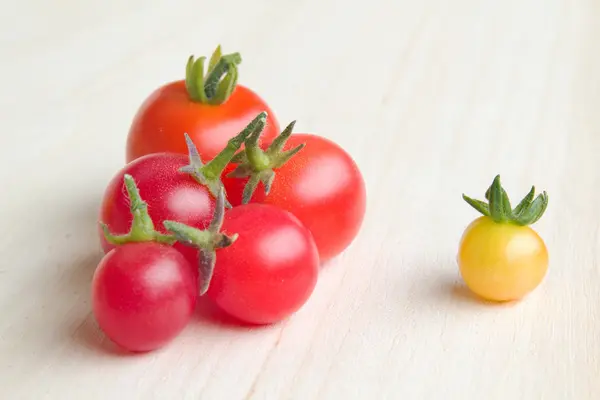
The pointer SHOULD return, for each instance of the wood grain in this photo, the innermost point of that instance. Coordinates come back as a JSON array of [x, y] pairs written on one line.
[[432, 99]]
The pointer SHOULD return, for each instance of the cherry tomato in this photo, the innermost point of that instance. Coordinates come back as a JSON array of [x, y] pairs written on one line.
[[211, 110], [170, 194], [500, 257], [175, 187], [143, 295], [502, 261], [144, 291], [311, 177], [268, 272]]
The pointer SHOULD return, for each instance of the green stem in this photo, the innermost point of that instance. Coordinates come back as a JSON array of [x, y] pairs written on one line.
[[527, 212], [142, 228], [259, 165], [217, 165], [206, 241], [257, 158], [209, 174], [220, 81]]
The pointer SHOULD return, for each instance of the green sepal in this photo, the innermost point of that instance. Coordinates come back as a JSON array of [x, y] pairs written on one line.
[[259, 165], [525, 203], [142, 227], [527, 212], [220, 80], [534, 211], [209, 174], [194, 81], [214, 58], [479, 205], [206, 241]]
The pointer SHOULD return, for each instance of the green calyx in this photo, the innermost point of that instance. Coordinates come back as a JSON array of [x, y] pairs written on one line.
[[218, 84], [527, 212], [258, 164], [206, 241], [209, 174], [142, 227]]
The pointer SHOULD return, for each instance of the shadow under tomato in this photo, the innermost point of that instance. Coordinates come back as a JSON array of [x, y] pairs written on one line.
[[441, 283], [74, 288], [209, 313], [90, 338], [332, 263], [452, 287], [87, 335], [461, 292]]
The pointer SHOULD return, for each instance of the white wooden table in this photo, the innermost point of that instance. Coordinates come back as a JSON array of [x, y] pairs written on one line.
[[432, 98]]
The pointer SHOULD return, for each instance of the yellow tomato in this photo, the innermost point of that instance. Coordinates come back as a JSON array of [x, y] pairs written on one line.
[[501, 262], [500, 257]]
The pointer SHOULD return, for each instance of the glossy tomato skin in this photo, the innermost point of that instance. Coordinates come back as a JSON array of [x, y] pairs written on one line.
[[501, 261], [322, 186], [269, 272], [169, 193], [143, 295], [168, 113]]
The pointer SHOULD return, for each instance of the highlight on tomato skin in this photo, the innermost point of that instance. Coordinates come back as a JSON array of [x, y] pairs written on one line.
[[209, 105], [308, 175], [501, 258]]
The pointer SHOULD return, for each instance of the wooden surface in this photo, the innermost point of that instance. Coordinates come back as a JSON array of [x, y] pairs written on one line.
[[432, 98]]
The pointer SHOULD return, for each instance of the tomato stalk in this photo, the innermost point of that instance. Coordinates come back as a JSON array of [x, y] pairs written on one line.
[[258, 164], [209, 174], [142, 228], [206, 241], [498, 208], [218, 84]]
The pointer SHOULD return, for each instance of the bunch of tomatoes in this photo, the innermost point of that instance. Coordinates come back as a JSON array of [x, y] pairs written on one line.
[[216, 203]]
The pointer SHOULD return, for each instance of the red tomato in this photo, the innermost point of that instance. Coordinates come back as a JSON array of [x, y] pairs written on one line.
[[321, 185], [268, 272], [208, 109], [170, 194], [143, 295], [173, 186]]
